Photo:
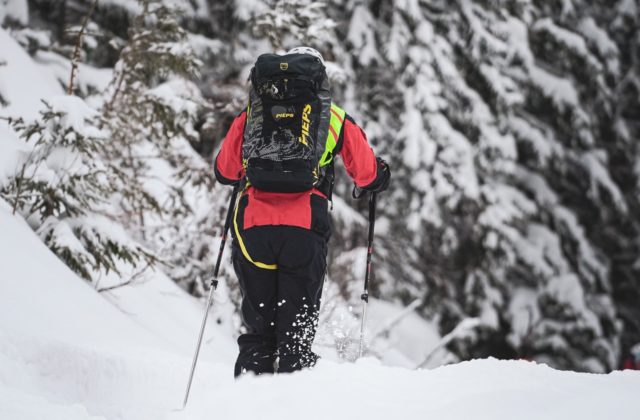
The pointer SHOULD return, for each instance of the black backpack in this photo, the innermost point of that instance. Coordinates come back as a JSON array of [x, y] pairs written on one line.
[[287, 123]]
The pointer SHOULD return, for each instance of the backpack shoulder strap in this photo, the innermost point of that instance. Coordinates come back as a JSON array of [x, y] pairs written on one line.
[[334, 134], [334, 140]]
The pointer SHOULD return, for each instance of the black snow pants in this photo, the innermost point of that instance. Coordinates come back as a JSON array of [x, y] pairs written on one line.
[[279, 306]]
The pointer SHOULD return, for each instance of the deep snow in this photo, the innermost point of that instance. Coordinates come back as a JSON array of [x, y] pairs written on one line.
[[68, 353]]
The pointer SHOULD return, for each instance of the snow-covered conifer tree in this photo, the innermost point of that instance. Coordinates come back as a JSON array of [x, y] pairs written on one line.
[[62, 189], [302, 22], [140, 120], [502, 124], [151, 111]]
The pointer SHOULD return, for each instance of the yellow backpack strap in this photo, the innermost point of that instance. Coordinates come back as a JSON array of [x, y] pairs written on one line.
[[243, 248], [333, 135]]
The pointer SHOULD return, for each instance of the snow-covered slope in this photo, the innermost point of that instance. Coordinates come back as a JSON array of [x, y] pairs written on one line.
[[68, 353], [63, 344]]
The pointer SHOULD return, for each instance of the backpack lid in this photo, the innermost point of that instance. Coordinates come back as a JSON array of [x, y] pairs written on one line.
[[296, 66]]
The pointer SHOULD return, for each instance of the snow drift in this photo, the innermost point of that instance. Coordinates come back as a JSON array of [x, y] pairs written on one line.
[[67, 353]]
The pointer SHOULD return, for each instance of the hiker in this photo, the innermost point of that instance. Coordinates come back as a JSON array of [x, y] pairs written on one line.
[[281, 149], [632, 362]]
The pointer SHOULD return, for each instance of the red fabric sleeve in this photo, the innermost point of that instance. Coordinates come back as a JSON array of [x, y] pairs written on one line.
[[357, 155], [229, 160]]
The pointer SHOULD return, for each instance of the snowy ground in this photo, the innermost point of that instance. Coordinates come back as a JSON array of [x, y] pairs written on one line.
[[68, 352]]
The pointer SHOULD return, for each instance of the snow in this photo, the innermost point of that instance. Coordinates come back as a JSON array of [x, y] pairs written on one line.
[[504, 86], [248, 9], [33, 278], [570, 39], [543, 143], [566, 289], [538, 186], [410, 7], [475, 15], [605, 46], [67, 353], [524, 313], [403, 329], [398, 40], [20, 75], [16, 10], [27, 37], [88, 79], [130, 7], [628, 7], [559, 89], [456, 153], [481, 389], [12, 151], [595, 162], [361, 35], [75, 112], [204, 46], [346, 214], [591, 266], [419, 148], [61, 340]]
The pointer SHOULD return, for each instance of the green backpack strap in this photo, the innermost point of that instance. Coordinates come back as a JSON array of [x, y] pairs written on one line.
[[333, 134], [332, 146]]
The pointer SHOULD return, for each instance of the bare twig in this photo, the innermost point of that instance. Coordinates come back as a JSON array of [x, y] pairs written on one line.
[[133, 278], [78, 46], [19, 189], [117, 286], [109, 106]]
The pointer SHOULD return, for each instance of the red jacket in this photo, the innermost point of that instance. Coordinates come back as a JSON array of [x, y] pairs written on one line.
[[291, 209]]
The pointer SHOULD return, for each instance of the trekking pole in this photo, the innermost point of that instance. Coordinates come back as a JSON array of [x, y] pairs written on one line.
[[212, 288], [365, 294]]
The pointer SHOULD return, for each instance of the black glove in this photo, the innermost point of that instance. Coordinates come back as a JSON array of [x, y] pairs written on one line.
[[380, 184], [383, 178]]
